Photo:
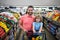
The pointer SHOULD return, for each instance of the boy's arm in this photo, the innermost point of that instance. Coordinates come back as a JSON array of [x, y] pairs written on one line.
[[34, 29], [41, 28]]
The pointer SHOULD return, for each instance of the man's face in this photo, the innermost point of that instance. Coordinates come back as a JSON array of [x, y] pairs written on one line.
[[30, 11]]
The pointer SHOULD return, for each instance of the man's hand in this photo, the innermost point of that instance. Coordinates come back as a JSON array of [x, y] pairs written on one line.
[[25, 30]]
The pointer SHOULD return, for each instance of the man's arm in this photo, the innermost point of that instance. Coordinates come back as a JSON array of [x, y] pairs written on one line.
[[21, 24]]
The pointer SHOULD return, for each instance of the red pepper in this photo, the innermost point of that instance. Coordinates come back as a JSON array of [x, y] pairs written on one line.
[[2, 33]]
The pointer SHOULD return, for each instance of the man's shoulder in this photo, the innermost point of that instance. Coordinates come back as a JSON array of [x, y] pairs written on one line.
[[23, 16], [33, 16]]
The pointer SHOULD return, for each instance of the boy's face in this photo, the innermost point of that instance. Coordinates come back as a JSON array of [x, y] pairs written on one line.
[[37, 20], [30, 11]]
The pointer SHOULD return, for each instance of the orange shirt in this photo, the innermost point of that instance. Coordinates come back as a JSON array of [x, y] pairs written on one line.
[[27, 22]]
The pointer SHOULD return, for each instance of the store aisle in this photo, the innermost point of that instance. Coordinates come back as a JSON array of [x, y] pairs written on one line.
[[48, 35]]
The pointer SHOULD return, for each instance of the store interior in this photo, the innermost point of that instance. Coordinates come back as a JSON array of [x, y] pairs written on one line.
[[10, 14]]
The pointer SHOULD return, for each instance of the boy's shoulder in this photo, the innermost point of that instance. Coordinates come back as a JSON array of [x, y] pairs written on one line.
[[34, 22], [41, 22]]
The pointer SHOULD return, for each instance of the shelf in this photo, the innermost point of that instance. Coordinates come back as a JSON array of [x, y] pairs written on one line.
[[53, 22], [49, 30], [54, 25], [45, 23]]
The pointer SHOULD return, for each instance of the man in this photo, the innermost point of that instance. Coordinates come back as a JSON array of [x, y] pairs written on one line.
[[26, 21]]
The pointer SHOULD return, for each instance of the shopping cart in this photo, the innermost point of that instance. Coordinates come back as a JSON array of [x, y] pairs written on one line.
[[39, 36]]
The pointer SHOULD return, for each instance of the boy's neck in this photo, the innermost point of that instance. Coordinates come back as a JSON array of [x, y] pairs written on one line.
[[37, 22]]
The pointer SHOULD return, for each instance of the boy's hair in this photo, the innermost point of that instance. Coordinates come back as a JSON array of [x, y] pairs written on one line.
[[38, 17]]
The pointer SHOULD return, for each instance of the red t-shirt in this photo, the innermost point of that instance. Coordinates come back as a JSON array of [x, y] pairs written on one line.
[[27, 22]]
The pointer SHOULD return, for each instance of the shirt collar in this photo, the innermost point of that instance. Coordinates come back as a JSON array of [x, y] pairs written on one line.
[[29, 15]]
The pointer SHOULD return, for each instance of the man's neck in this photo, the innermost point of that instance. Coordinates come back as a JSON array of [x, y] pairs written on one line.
[[29, 15]]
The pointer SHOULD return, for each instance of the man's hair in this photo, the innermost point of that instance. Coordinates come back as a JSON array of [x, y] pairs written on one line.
[[30, 7]]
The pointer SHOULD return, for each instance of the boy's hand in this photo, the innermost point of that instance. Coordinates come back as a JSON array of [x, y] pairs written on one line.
[[39, 31], [34, 31]]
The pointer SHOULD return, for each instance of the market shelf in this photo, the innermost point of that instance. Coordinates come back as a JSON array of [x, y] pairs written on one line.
[[53, 25], [53, 22]]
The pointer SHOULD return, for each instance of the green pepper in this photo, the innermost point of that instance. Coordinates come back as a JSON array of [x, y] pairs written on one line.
[[8, 25], [5, 18], [12, 22], [1, 17]]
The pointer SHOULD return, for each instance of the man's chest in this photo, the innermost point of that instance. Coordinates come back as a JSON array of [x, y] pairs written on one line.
[[28, 20]]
